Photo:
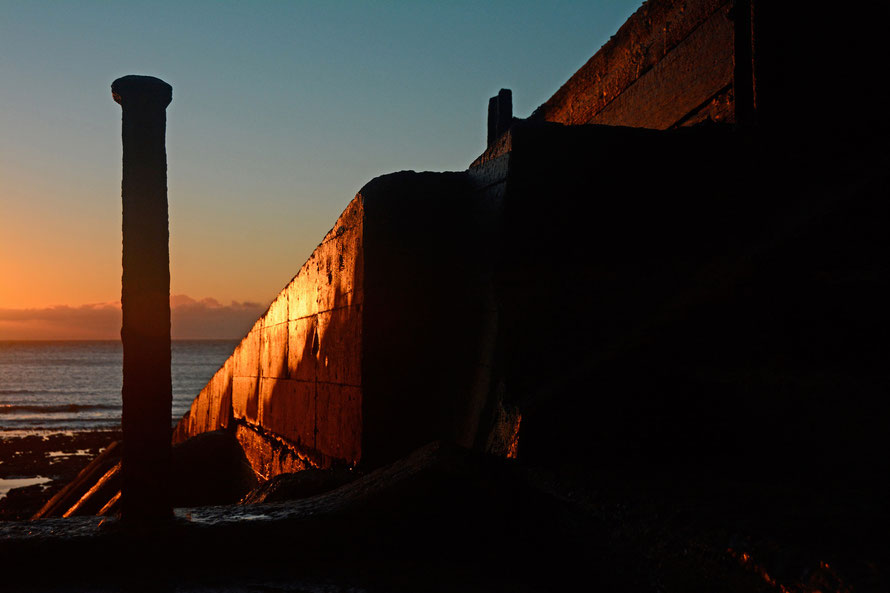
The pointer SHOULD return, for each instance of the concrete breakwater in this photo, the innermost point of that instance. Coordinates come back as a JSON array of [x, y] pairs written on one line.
[[605, 282], [379, 344], [669, 284]]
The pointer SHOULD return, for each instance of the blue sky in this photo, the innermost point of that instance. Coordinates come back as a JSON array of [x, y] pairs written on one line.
[[281, 112]]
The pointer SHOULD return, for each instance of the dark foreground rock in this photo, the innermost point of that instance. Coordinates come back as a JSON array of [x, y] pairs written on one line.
[[442, 509], [293, 486], [209, 469], [447, 519]]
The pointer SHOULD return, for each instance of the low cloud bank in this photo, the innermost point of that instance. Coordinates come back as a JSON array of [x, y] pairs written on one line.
[[208, 318], [191, 319]]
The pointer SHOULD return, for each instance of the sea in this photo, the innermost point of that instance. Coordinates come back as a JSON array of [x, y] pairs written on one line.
[[51, 387]]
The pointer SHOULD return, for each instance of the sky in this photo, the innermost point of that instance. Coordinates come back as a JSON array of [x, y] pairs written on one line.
[[281, 112]]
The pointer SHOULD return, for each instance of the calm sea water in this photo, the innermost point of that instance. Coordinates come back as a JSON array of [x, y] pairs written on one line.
[[64, 386]]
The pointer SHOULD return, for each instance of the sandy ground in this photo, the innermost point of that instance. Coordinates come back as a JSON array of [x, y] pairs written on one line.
[[58, 457]]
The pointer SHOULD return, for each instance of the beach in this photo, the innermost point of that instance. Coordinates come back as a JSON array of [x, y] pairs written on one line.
[[36, 466]]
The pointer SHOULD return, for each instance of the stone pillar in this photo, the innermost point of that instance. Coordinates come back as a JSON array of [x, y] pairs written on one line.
[[743, 87], [145, 299], [500, 114]]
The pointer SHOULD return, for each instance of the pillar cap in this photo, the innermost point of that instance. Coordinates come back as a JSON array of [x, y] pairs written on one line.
[[142, 90]]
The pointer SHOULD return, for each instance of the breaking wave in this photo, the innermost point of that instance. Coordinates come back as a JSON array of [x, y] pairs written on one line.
[[53, 409]]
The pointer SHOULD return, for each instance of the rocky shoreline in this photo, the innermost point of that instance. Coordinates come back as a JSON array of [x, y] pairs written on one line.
[[56, 456]]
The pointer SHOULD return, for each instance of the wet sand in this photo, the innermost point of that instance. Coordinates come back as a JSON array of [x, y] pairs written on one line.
[[57, 457]]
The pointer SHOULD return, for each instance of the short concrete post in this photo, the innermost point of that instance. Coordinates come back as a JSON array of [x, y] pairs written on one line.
[[145, 299], [500, 114]]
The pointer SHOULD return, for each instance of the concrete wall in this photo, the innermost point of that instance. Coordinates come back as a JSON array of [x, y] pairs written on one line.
[[380, 344], [777, 65], [694, 298], [297, 373], [430, 316], [573, 282], [671, 64]]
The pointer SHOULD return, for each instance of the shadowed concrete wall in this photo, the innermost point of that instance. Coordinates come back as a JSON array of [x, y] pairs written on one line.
[[692, 298], [820, 69], [375, 347], [430, 316]]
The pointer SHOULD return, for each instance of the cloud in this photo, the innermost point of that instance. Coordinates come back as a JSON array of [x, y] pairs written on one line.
[[208, 318], [100, 321], [191, 319]]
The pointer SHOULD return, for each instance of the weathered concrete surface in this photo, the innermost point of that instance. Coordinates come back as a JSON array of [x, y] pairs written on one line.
[[665, 64], [380, 343], [683, 84], [672, 64], [754, 62], [302, 353], [269, 455], [212, 408]]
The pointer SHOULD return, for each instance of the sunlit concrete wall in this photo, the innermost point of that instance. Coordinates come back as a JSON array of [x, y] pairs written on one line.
[[383, 340], [670, 64], [297, 373]]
